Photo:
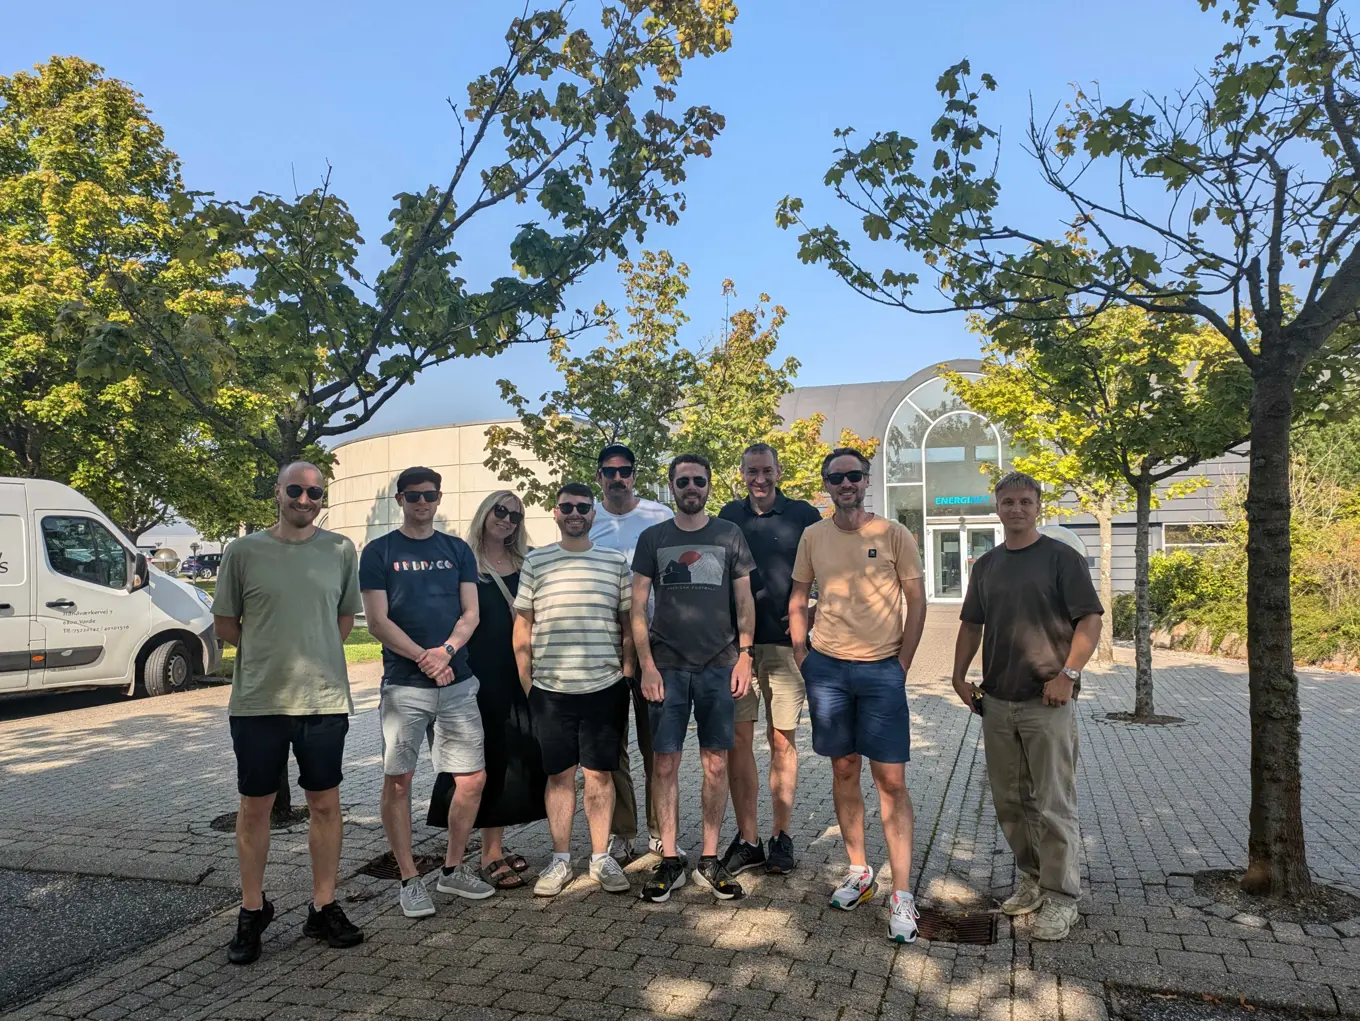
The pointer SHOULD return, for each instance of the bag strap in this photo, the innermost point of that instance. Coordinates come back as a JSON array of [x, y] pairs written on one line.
[[505, 591]]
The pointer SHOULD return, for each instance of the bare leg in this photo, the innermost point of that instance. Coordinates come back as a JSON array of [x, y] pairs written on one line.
[[894, 805], [783, 778], [560, 800], [714, 797], [467, 798], [493, 847], [252, 848], [599, 799], [849, 800], [665, 775], [324, 835], [395, 807], [745, 782]]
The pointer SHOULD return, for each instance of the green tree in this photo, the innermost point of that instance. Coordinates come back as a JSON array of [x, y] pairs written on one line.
[[1129, 401], [593, 136], [86, 180], [1206, 205], [802, 450], [630, 391]]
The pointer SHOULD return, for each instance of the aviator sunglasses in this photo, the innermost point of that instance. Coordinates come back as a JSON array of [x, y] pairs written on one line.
[[836, 478], [622, 472], [415, 496], [313, 492], [580, 508], [685, 481], [505, 512]]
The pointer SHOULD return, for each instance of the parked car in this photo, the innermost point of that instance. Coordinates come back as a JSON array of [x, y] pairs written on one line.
[[81, 607], [201, 565]]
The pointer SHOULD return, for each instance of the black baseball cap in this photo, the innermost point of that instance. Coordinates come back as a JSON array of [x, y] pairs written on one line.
[[615, 450]]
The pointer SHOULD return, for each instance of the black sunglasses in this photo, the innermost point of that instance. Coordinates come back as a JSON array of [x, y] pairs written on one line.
[[684, 482], [580, 508], [416, 495], [313, 492], [836, 478], [505, 512], [622, 472]]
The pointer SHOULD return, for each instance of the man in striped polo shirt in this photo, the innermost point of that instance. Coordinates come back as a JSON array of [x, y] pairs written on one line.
[[572, 642]]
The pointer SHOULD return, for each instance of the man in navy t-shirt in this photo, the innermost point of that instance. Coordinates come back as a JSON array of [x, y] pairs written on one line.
[[420, 598]]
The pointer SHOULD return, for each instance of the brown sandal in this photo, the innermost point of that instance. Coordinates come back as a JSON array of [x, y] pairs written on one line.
[[502, 875]]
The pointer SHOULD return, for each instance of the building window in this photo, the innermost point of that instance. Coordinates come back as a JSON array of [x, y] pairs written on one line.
[[905, 506], [1196, 536]]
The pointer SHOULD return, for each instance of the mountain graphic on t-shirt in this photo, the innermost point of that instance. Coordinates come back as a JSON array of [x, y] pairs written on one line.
[[692, 567]]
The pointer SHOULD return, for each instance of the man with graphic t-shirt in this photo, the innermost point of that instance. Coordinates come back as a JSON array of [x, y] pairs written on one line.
[[620, 517], [692, 657], [420, 597]]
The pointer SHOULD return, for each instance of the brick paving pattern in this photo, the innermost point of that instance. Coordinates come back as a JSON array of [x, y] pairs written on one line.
[[128, 789]]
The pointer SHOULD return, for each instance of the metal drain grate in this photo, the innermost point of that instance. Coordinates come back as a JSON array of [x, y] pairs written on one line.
[[956, 927], [385, 866]]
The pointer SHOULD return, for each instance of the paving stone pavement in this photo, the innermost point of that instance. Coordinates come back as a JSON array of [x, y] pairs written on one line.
[[127, 789]]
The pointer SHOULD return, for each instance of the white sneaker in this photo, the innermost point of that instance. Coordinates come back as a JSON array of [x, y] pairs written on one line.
[[620, 849], [554, 878], [654, 845], [1054, 921], [902, 917], [416, 901], [1027, 897], [610, 875], [855, 889]]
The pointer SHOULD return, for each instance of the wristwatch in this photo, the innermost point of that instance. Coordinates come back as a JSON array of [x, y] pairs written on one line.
[[450, 650], [1073, 675], [750, 650]]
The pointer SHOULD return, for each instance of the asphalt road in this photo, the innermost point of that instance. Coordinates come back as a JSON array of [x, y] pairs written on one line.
[[57, 926]]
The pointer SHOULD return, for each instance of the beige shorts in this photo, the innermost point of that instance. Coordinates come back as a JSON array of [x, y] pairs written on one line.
[[775, 673]]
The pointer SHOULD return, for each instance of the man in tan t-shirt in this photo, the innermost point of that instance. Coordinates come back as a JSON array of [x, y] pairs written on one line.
[[856, 671]]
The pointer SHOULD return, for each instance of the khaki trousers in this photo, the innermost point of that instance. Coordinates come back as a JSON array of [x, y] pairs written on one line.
[[625, 822], [1032, 766]]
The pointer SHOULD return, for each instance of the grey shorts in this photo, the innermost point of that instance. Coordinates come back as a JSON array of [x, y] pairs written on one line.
[[407, 714]]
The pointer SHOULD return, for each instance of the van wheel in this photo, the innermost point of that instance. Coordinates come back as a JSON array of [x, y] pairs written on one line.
[[167, 669]]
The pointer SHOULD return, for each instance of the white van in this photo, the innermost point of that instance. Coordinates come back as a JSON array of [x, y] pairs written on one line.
[[80, 607]]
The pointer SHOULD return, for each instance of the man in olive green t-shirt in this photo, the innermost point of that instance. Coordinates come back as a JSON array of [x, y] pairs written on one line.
[[286, 598]]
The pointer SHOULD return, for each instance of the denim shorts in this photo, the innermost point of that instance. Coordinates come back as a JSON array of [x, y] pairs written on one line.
[[715, 710], [409, 714], [858, 708]]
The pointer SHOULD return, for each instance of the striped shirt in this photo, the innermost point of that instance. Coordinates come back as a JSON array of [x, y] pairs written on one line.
[[576, 599]]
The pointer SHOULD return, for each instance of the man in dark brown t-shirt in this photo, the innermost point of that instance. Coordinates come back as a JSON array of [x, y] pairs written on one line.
[[1032, 607]]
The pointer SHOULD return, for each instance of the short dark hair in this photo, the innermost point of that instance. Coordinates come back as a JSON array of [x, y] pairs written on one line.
[[575, 489], [844, 452], [698, 459], [415, 476], [1018, 480], [615, 450], [761, 448]]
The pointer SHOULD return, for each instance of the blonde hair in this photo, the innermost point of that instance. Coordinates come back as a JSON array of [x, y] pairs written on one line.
[[519, 540]]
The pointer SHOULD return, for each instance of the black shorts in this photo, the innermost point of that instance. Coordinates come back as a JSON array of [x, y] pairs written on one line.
[[585, 730], [261, 746]]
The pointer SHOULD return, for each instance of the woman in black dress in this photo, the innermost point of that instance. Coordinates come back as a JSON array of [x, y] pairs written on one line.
[[515, 780]]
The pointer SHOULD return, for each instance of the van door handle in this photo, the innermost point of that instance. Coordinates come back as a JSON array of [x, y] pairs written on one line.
[[60, 603], [5, 606]]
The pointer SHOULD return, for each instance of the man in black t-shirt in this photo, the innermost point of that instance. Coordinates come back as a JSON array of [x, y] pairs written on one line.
[[772, 524], [1032, 607], [419, 588]]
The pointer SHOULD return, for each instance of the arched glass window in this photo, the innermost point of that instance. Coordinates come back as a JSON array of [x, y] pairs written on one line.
[[958, 449]]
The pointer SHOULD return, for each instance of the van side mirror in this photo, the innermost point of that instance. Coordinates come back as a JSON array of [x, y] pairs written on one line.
[[140, 574]]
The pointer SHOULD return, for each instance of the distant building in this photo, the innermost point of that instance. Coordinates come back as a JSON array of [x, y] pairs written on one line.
[[928, 474]]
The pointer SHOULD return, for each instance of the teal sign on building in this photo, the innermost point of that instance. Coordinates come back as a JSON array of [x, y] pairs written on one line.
[[954, 501]]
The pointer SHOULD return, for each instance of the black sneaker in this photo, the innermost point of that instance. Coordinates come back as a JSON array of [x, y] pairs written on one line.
[[250, 925], [331, 925], [668, 876], [742, 857], [713, 875], [781, 854]]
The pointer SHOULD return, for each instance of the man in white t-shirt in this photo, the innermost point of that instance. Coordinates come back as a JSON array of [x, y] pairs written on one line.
[[620, 517]]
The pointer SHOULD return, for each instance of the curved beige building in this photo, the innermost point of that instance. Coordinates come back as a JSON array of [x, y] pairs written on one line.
[[359, 498]]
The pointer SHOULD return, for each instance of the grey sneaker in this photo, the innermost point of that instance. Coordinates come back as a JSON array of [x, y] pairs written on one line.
[[555, 877], [1054, 921], [620, 849], [416, 901], [1028, 897], [463, 881], [610, 876]]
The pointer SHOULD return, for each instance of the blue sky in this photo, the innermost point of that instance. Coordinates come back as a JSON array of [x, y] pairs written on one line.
[[252, 94]]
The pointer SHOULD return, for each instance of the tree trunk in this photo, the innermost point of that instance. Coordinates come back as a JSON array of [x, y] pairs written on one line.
[[1105, 519], [1276, 860], [1142, 602]]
